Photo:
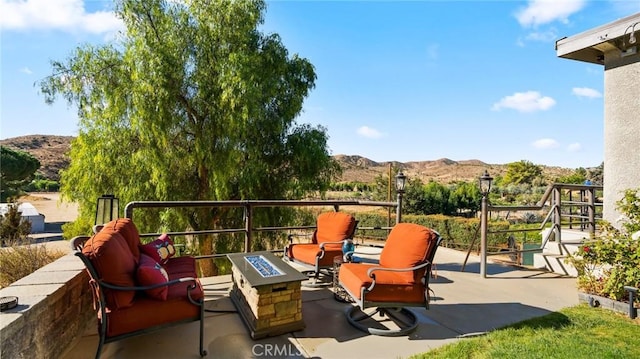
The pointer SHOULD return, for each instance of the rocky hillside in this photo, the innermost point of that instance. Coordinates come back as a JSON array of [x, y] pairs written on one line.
[[52, 152], [444, 170]]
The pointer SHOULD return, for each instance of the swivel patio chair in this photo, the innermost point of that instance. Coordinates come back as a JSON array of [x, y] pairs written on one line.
[[400, 280], [332, 229]]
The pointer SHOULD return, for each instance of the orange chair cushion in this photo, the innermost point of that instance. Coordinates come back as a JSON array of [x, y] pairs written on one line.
[[148, 312], [307, 253], [112, 259], [129, 232], [333, 227], [390, 286], [408, 245]]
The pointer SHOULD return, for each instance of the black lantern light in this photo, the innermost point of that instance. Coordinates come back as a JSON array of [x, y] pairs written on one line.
[[401, 181], [485, 183], [106, 209]]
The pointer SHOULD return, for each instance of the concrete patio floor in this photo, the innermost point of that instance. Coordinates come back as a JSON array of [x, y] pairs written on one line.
[[465, 305]]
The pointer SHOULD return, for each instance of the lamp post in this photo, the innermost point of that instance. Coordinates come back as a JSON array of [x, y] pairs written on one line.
[[401, 181], [106, 209], [485, 187]]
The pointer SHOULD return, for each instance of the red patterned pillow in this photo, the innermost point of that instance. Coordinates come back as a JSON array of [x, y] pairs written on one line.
[[151, 272], [160, 250]]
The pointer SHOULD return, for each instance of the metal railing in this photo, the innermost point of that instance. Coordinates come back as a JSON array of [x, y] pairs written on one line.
[[249, 205], [586, 209]]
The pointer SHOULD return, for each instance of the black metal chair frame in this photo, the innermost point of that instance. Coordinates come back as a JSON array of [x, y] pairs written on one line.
[[316, 269], [98, 285], [403, 317]]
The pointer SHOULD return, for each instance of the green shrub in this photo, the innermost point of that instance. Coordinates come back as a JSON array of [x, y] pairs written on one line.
[[612, 261]]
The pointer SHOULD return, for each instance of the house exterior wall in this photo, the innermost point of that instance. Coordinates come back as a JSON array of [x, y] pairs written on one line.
[[621, 130]]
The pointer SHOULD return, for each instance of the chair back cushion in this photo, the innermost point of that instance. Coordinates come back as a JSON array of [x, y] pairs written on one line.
[[129, 232], [333, 227], [409, 245], [112, 259]]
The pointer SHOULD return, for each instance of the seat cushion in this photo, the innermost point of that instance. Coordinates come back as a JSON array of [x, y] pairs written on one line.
[[408, 245], [110, 255], [129, 232], [390, 286], [148, 312], [307, 253], [150, 272], [333, 227]]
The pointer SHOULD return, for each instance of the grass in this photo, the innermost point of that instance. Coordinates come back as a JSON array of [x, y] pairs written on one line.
[[576, 332]]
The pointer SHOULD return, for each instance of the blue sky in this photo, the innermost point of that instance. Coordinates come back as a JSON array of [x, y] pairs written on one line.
[[397, 80]]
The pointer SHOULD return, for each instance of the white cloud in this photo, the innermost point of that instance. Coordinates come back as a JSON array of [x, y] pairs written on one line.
[[586, 92], [574, 147], [65, 15], [26, 70], [545, 144], [369, 132], [540, 12], [529, 101]]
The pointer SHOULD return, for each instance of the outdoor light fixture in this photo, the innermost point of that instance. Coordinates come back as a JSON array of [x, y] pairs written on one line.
[[632, 34], [485, 183], [400, 182], [106, 209], [485, 187]]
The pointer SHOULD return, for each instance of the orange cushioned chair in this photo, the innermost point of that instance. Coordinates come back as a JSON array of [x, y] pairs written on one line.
[[138, 288], [332, 229], [400, 280]]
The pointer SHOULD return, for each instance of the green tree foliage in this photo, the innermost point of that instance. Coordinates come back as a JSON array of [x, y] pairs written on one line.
[[381, 184], [465, 196], [522, 172], [577, 177], [17, 169], [192, 103], [596, 175]]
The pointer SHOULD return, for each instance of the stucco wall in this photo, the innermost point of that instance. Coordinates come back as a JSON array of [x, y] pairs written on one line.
[[54, 310], [621, 129]]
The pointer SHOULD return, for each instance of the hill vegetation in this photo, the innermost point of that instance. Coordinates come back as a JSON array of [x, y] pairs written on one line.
[[52, 152]]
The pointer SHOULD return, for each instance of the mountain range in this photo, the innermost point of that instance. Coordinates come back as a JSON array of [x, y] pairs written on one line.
[[52, 152]]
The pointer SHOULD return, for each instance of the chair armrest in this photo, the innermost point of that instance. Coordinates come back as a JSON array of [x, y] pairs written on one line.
[[154, 286], [333, 242], [411, 269]]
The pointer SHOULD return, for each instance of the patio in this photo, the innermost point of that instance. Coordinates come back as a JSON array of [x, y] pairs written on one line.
[[464, 305]]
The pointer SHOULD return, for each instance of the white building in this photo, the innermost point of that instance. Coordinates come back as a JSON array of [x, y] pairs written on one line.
[[28, 212], [615, 46]]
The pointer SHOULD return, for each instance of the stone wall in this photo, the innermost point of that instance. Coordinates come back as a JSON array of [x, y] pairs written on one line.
[[54, 309]]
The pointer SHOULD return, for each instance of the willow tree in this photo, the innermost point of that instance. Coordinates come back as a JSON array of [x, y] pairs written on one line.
[[191, 102]]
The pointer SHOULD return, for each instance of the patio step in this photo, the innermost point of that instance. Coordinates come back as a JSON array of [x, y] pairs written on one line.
[[556, 263], [554, 255]]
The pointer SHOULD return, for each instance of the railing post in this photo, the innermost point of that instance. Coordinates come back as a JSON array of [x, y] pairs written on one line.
[[248, 223], [557, 217], [592, 212], [483, 237], [399, 209]]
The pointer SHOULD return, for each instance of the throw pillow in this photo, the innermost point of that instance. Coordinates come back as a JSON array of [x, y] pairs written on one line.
[[160, 249], [151, 272]]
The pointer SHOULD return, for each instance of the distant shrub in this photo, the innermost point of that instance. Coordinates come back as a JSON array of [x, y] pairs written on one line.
[[18, 261], [17, 257]]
